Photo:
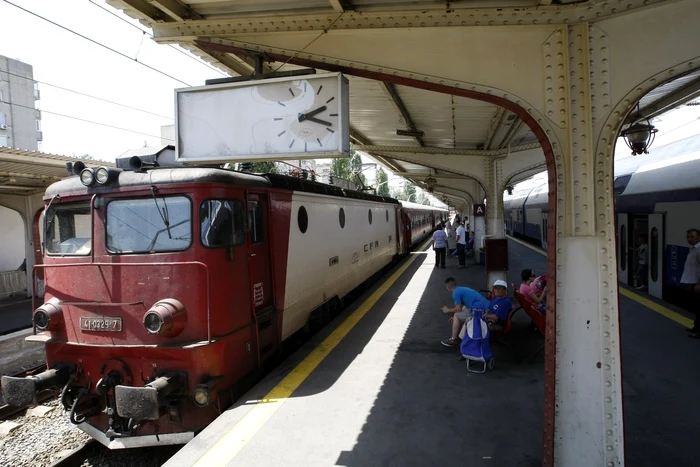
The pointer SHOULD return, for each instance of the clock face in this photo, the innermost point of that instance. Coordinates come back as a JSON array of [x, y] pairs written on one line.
[[306, 117], [302, 116]]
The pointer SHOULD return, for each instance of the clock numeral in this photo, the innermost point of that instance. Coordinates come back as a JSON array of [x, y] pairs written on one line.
[[305, 86], [332, 115], [330, 100], [279, 118], [281, 104], [319, 90], [283, 132], [330, 130], [291, 144], [319, 142], [291, 92], [305, 150]]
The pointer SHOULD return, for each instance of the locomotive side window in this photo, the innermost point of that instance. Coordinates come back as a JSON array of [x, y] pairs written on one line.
[[221, 223], [68, 230], [149, 225], [255, 216], [303, 219]]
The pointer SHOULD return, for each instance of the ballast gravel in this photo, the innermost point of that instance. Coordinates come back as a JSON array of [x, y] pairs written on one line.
[[40, 441]]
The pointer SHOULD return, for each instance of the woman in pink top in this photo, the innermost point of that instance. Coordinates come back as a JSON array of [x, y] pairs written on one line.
[[527, 288]]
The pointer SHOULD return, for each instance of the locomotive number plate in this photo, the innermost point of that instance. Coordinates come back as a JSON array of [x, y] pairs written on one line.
[[105, 324]]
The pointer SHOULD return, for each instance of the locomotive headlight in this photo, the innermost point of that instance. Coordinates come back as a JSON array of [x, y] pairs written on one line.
[[41, 319], [202, 396], [102, 175], [48, 316], [153, 322], [87, 177], [166, 318]]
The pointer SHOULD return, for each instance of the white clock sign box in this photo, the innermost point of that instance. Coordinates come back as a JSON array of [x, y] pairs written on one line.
[[301, 117]]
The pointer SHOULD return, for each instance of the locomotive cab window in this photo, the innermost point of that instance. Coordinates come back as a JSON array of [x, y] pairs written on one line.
[[255, 218], [222, 223], [68, 229], [149, 225]]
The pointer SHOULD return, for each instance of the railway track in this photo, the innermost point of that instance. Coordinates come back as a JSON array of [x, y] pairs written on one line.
[[77, 456]]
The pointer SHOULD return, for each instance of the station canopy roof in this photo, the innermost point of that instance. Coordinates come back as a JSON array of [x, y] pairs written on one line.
[[377, 109], [28, 172]]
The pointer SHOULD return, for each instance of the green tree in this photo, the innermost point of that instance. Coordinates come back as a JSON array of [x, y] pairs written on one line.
[[267, 167], [340, 168], [356, 169], [423, 198], [408, 192], [382, 186]]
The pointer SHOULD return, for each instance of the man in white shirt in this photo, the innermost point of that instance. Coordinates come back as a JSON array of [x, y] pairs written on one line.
[[461, 244], [690, 280]]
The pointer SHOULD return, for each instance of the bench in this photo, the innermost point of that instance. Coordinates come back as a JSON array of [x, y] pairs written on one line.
[[538, 318]]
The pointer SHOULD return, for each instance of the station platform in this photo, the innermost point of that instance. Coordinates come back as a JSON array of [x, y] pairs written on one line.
[[376, 387]]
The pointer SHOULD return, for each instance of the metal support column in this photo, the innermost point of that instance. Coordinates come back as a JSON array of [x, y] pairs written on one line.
[[588, 419]]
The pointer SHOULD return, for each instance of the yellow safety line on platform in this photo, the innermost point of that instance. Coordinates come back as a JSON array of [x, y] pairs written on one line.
[[660, 309], [231, 443]]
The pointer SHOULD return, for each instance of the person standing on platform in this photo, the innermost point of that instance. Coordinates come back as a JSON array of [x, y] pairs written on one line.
[[461, 244], [440, 246], [690, 280]]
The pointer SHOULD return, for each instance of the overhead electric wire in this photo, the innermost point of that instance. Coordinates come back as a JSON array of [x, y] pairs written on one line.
[[97, 43], [88, 95], [151, 35], [88, 121]]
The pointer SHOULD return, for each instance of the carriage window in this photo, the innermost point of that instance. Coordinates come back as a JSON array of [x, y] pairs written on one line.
[[255, 217], [303, 219], [623, 247], [149, 225], [222, 223], [68, 229], [654, 254]]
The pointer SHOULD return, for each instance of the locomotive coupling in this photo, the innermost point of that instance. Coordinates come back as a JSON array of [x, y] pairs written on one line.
[[20, 392], [145, 403]]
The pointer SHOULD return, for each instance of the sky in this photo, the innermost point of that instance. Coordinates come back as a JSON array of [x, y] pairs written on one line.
[[64, 59]]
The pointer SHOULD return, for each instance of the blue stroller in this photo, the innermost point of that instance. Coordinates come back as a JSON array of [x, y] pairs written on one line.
[[475, 345]]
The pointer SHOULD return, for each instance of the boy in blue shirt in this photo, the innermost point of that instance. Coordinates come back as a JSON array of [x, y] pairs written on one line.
[[499, 307], [463, 298]]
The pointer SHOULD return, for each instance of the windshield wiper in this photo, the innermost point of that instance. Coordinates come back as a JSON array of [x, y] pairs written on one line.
[[163, 215]]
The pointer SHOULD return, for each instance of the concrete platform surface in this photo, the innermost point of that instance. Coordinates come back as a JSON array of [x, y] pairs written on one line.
[[389, 394]]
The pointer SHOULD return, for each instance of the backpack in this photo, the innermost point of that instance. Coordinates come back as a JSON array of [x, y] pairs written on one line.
[[475, 346]]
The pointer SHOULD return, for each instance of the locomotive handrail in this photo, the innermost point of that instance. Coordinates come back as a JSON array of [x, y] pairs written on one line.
[[159, 263]]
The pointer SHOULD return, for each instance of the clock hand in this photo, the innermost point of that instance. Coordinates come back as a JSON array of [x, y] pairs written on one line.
[[306, 116], [322, 122]]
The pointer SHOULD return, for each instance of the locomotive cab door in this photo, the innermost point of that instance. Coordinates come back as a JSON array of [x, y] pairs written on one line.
[[259, 244], [655, 244], [623, 259]]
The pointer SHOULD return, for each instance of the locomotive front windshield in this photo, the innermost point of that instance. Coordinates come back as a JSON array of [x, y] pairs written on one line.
[[149, 225], [68, 229]]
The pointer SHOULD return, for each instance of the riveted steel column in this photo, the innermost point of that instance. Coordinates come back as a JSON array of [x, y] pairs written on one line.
[[588, 415], [494, 211]]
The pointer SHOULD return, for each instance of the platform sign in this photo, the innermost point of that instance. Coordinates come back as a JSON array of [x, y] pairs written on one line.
[[479, 210], [301, 117]]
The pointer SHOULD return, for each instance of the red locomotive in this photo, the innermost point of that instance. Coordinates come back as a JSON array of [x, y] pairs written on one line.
[[165, 286]]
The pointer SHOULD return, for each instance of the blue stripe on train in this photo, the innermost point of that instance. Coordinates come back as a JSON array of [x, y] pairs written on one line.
[[674, 260], [533, 231]]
